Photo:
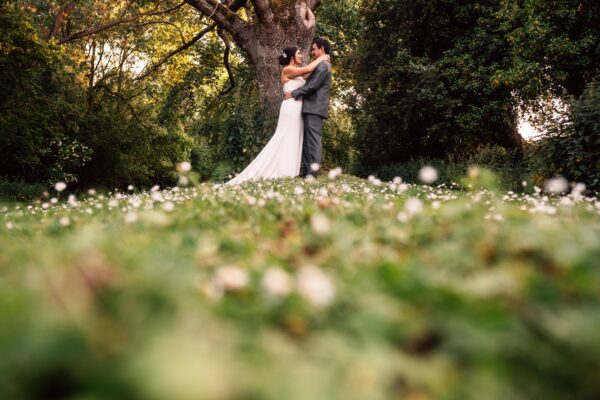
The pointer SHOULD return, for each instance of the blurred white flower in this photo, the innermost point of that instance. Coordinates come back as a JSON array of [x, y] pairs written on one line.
[[334, 173], [65, 221], [310, 178], [54, 200], [556, 185], [428, 174], [298, 191], [131, 218], [413, 206], [250, 200], [397, 180], [402, 216], [183, 181], [320, 224], [113, 203], [92, 192], [130, 188], [154, 188], [60, 186], [10, 226], [168, 206], [211, 289], [157, 196], [315, 286], [565, 201], [577, 191], [231, 277], [184, 166], [374, 180], [276, 282], [314, 167]]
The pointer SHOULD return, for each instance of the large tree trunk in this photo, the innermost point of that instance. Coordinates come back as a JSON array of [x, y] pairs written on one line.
[[272, 27], [264, 54]]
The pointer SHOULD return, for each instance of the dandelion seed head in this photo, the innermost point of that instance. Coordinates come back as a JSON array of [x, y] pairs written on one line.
[[315, 286], [184, 166], [168, 206], [183, 181], [413, 206], [131, 217], [320, 224], [577, 191], [60, 186], [428, 174], [276, 282], [231, 277], [556, 185], [334, 173]]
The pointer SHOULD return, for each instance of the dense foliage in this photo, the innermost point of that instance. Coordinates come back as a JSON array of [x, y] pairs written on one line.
[[424, 80], [39, 106], [555, 46], [572, 144], [335, 289], [55, 128]]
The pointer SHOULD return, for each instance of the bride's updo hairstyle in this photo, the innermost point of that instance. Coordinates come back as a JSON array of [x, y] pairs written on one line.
[[288, 54]]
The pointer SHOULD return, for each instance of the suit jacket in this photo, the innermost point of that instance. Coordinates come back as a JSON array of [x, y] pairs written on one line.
[[316, 90]]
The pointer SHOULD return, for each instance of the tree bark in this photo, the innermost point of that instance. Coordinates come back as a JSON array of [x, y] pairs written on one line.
[[264, 54], [272, 27]]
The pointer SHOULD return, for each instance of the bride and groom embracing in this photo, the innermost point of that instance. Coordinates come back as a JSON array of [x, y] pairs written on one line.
[[296, 142]]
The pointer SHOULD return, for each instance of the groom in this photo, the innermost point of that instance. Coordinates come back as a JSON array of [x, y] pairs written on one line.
[[315, 96]]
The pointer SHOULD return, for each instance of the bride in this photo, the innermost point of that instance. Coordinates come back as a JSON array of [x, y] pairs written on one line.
[[282, 155]]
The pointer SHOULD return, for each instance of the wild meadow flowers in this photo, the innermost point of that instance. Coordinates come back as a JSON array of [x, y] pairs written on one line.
[[335, 287]]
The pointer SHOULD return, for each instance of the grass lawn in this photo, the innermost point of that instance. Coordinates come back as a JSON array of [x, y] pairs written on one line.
[[337, 288]]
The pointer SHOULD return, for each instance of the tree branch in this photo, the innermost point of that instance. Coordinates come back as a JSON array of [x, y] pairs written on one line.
[[306, 15], [165, 23], [185, 46], [225, 17], [60, 17], [263, 11], [108, 25], [225, 40]]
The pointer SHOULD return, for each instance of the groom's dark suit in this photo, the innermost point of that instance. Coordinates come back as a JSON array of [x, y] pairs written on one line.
[[315, 96]]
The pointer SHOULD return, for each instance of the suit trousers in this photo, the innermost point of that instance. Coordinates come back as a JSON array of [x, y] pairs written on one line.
[[312, 147]]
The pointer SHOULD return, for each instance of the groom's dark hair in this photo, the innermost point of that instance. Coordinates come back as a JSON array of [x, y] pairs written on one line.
[[322, 44]]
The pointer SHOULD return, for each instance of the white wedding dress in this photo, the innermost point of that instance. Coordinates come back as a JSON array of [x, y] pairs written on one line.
[[282, 155]]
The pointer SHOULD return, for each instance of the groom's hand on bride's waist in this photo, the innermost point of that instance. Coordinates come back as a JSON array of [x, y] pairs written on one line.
[[287, 95]]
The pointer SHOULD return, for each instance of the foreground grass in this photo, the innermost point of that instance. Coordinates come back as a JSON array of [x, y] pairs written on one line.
[[341, 289]]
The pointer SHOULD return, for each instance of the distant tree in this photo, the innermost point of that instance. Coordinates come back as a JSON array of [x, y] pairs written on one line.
[[423, 73], [555, 47]]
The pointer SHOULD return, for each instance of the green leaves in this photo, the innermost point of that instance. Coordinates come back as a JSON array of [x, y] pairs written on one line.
[[294, 288]]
